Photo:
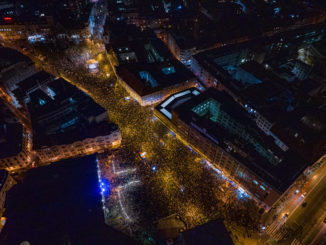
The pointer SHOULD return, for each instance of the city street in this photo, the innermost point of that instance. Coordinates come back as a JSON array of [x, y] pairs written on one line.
[[306, 222], [303, 218]]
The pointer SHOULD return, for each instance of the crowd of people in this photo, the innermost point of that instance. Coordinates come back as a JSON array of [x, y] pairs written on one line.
[[181, 183]]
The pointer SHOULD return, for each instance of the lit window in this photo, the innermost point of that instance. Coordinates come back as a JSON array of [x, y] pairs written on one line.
[[41, 102], [168, 70]]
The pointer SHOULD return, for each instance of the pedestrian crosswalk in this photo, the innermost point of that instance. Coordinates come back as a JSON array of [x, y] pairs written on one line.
[[273, 228], [280, 234], [277, 232]]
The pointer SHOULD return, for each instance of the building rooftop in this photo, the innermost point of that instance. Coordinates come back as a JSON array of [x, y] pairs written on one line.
[[304, 130], [320, 47], [9, 57], [250, 145], [143, 47], [61, 113], [148, 78], [211, 233], [11, 133], [61, 204], [35, 81], [203, 29]]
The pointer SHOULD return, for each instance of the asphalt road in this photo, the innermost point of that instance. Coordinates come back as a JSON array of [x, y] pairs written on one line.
[[307, 222]]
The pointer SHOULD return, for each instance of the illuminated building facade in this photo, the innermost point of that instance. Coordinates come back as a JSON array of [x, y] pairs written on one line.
[[32, 32]]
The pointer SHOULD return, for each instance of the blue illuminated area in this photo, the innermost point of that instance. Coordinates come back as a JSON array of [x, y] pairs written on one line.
[[97, 19], [148, 78], [72, 101], [172, 134], [69, 123], [51, 92], [277, 10], [41, 102], [105, 187], [243, 6], [241, 193], [36, 38], [154, 169], [168, 70]]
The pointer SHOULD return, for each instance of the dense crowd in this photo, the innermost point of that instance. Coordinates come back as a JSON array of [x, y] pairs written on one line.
[[180, 183]]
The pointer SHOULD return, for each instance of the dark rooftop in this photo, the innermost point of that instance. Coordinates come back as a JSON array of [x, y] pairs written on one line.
[[212, 233], [9, 57], [62, 114], [320, 47], [278, 173], [158, 76], [304, 130], [35, 80], [61, 204], [12, 145], [11, 133], [145, 46]]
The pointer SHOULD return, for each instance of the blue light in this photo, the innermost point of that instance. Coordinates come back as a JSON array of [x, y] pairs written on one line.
[[41, 102], [179, 7], [105, 187], [277, 10], [154, 169], [72, 101], [168, 70], [69, 123], [241, 193]]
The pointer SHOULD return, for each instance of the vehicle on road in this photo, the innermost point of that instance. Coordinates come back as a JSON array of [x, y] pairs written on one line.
[[286, 216], [304, 204]]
